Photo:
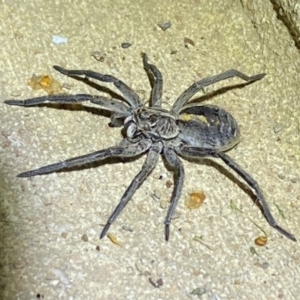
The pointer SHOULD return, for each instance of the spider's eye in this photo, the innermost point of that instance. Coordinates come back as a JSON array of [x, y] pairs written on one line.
[[153, 120]]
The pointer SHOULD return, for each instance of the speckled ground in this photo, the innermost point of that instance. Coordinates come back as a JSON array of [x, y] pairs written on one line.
[[50, 225]]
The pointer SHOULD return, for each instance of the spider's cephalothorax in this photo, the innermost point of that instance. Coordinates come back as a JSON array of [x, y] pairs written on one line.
[[154, 123], [186, 131]]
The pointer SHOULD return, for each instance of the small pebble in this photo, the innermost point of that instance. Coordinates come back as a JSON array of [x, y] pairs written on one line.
[[127, 228], [169, 183], [84, 238], [294, 180], [198, 291], [187, 40], [265, 265], [164, 26], [278, 127], [64, 235], [125, 45], [253, 251]]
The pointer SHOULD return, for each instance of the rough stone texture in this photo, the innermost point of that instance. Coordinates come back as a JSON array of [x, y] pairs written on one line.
[[43, 219], [288, 11]]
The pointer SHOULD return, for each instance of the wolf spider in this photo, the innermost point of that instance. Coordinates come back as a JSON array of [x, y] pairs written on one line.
[[186, 130]]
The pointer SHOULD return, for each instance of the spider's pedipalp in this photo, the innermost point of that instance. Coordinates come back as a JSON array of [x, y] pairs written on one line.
[[157, 89]]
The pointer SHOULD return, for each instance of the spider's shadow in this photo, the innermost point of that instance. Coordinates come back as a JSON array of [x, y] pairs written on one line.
[[112, 94], [224, 171], [81, 106], [219, 91], [97, 164], [105, 113], [203, 161]]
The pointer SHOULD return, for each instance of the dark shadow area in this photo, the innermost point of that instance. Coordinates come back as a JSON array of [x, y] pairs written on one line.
[[77, 107], [10, 243], [80, 105], [98, 87], [98, 164], [282, 16], [220, 91], [113, 160], [220, 168], [230, 175]]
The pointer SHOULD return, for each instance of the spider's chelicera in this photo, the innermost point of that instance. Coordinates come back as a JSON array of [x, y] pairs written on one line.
[[186, 130]]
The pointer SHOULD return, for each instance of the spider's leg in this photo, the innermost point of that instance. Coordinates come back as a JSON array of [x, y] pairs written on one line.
[[253, 184], [157, 89], [114, 105], [149, 164], [60, 99], [118, 151], [129, 95], [197, 86], [190, 151], [174, 162]]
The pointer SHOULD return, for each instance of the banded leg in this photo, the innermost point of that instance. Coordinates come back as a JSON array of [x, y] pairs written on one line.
[[157, 88], [197, 86], [151, 160], [110, 104], [175, 163], [118, 151], [129, 95], [253, 184], [198, 152]]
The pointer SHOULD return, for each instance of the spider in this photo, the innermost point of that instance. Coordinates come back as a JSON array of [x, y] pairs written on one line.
[[191, 131]]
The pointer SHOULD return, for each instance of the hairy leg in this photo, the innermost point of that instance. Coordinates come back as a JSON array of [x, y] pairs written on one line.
[[175, 163], [130, 96], [197, 86], [151, 160], [190, 151], [118, 151]]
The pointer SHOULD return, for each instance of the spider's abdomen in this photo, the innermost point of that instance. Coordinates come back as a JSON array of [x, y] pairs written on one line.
[[208, 126]]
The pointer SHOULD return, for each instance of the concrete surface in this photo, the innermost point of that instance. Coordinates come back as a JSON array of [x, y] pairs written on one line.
[[50, 225]]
